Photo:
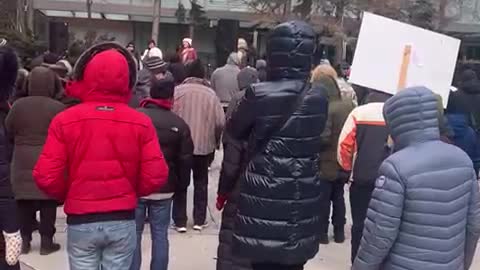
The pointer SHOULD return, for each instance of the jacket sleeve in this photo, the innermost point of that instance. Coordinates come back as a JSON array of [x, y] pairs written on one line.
[[145, 54], [153, 167], [243, 118], [233, 151], [347, 143], [326, 137], [10, 132], [10, 120], [213, 81], [49, 172], [383, 220], [185, 160], [473, 224], [142, 88]]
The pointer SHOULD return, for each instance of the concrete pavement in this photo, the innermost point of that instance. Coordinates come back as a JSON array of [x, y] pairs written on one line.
[[193, 250]]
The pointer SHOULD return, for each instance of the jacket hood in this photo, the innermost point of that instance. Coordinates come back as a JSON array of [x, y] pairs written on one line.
[[471, 87], [331, 87], [104, 73], [412, 117], [261, 64], [43, 81], [290, 49], [469, 82], [233, 59], [246, 77], [468, 75]]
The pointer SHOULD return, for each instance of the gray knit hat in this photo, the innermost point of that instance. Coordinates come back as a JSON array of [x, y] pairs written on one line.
[[156, 65], [246, 77]]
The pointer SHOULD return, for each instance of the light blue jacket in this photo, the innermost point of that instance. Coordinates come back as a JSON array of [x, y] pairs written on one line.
[[425, 210]]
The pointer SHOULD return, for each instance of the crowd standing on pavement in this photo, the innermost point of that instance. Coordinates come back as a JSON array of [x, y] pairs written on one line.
[[116, 138]]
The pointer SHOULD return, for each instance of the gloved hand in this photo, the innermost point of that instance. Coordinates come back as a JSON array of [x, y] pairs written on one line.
[[221, 201], [13, 247]]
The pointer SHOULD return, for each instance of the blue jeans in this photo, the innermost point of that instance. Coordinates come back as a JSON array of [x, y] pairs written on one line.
[[109, 245], [159, 218]]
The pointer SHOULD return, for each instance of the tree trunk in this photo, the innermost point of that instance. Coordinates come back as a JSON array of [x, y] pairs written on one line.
[[442, 17], [339, 37], [20, 17], [30, 16], [156, 19], [191, 30], [89, 8], [287, 9]]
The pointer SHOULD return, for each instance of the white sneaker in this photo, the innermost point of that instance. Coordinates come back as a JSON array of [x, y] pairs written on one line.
[[179, 229], [200, 227]]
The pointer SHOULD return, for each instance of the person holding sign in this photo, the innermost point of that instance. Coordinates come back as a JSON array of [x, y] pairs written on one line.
[[424, 212]]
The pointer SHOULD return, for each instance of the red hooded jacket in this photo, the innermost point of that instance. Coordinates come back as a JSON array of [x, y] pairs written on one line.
[[101, 155]]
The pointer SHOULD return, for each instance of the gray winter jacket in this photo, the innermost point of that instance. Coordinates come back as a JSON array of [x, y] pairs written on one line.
[[425, 210], [224, 79]]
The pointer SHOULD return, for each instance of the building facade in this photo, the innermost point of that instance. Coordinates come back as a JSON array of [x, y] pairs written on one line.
[[131, 20]]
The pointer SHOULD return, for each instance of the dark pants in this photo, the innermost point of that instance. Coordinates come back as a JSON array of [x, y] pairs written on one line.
[[200, 195], [5, 266], [48, 216], [273, 266], [333, 194], [359, 200], [159, 214]]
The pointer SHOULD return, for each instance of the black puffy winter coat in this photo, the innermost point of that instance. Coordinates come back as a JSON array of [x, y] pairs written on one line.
[[233, 164], [278, 218]]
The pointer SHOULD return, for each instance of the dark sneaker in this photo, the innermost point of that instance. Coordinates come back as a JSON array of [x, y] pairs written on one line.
[[47, 246], [26, 247]]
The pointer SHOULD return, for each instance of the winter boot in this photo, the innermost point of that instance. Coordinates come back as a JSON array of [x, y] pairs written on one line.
[[26, 247], [324, 236], [324, 239], [339, 235], [47, 246]]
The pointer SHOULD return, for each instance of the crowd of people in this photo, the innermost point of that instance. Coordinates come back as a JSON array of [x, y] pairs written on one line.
[[117, 139]]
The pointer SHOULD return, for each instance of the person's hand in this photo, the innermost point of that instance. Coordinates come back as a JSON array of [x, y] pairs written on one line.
[[221, 201], [13, 247]]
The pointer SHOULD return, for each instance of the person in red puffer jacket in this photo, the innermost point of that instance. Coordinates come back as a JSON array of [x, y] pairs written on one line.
[[100, 157]]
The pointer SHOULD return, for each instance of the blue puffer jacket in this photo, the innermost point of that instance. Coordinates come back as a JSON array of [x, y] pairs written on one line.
[[278, 217], [425, 210]]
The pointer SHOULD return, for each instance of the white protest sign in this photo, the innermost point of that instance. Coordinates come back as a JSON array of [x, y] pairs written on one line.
[[379, 57]]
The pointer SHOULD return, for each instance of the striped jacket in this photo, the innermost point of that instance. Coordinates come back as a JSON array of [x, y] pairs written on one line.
[[361, 145], [198, 105]]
